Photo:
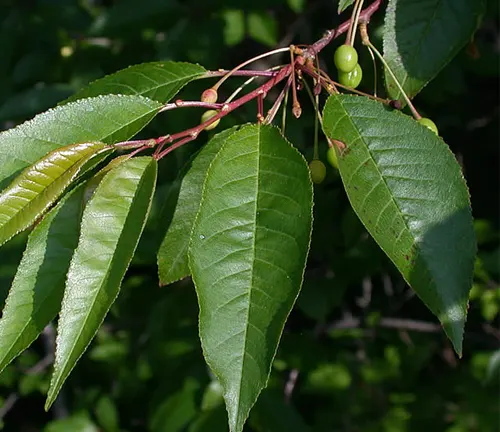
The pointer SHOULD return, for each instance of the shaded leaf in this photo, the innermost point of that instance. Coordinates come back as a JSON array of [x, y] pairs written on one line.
[[112, 224], [36, 293], [159, 81], [184, 202], [272, 413], [32, 101], [247, 256], [40, 185], [422, 36], [177, 410], [493, 369], [408, 190], [108, 119]]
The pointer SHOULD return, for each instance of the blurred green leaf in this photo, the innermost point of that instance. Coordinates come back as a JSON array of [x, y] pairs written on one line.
[[329, 378], [297, 5], [212, 397], [80, 422], [263, 28], [234, 26], [107, 414], [32, 101], [493, 370], [177, 411], [271, 414]]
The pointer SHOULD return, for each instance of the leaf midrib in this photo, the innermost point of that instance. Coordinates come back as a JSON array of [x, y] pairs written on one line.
[[362, 139], [247, 323]]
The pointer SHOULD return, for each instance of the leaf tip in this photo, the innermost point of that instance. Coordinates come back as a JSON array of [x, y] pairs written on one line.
[[454, 328]]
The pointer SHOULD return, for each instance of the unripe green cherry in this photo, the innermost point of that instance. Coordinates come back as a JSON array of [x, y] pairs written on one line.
[[351, 79], [207, 115], [318, 171], [345, 58], [331, 156], [429, 124], [209, 96]]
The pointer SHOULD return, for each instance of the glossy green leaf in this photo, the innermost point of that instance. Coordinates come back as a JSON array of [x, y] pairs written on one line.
[[343, 5], [39, 186], [36, 293], [181, 207], [422, 36], [408, 190], [108, 119], [159, 81], [247, 256], [112, 223]]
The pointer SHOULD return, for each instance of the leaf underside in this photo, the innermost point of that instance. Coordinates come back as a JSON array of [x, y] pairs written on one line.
[[422, 36], [32, 192], [247, 256], [159, 81], [111, 226], [36, 293], [408, 190], [108, 119], [180, 212]]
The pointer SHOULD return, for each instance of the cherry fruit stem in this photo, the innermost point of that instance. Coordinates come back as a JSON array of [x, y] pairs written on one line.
[[366, 41]]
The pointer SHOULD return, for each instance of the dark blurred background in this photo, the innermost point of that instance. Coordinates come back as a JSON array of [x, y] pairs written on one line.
[[360, 352]]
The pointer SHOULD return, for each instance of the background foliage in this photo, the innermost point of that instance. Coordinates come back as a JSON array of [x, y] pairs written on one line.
[[359, 352]]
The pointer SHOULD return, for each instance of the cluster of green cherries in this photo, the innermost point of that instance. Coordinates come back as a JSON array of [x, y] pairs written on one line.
[[350, 75], [346, 62]]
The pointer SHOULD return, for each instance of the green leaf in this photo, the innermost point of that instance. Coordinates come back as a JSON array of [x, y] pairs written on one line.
[[177, 410], [422, 36], [263, 28], [40, 185], [36, 293], [159, 81], [247, 256], [234, 26], [184, 201], [343, 5], [272, 413], [408, 190], [108, 119], [112, 224], [297, 5]]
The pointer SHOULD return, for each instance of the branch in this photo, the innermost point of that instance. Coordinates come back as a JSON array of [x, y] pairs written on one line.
[[392, 323], [316, 47], [246, 72], [302, 56], [193, 132]]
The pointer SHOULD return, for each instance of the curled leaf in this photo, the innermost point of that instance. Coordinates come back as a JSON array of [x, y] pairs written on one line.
[[39, 186]]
